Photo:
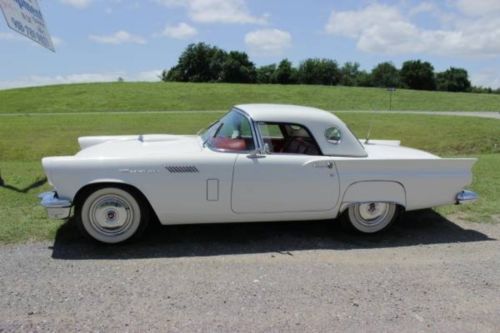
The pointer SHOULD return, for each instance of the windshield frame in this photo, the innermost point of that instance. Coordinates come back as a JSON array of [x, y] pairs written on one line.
[[209, 133]]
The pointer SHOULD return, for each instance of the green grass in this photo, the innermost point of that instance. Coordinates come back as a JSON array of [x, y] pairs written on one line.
[[25, 139], [486, 183], [206, 96], [32, 137], [21, 216]]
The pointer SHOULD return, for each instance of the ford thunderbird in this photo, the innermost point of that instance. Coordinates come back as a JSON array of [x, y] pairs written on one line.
[[259, 162]]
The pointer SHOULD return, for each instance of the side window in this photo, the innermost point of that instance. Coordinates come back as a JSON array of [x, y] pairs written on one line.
[[233, 134], [333, 135], [272, 136], [287, 138]]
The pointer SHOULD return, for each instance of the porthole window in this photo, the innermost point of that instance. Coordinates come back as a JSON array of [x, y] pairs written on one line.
[[333, 135]]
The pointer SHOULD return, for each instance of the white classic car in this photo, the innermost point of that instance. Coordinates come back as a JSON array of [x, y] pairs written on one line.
[[259, 162]]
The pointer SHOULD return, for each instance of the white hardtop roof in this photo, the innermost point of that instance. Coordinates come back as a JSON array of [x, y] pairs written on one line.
[[286, 113], [316, 120]]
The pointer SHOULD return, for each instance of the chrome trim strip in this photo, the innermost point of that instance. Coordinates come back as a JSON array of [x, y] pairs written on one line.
[[466, 196]]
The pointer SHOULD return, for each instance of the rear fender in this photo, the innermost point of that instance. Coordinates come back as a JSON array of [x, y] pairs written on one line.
[[374, 191]]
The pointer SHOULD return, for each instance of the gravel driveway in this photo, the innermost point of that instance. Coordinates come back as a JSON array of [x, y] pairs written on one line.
[[425, 274]]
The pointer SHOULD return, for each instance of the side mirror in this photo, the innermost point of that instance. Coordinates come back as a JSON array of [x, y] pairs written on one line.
[[266, 150]]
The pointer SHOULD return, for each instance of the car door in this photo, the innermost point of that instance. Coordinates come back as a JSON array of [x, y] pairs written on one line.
[[283, 182]]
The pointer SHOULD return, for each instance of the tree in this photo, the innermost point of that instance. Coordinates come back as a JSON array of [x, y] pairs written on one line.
[[198, 63], [364, 79], [318, 71], [237, 68], [419, 75], [453, 79], [349, 74], [265, 73], [385, 75], [285, 73]]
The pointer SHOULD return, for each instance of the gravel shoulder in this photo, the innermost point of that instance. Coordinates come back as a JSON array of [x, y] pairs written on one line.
[[425, 274]]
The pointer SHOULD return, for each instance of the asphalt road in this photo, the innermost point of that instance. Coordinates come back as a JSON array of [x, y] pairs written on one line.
[[425, 274]]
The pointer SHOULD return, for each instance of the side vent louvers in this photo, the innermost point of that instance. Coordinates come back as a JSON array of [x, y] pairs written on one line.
[[182, 169]]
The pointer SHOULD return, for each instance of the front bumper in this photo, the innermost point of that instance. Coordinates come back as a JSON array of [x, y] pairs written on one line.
[[466, 196], [56, 208]]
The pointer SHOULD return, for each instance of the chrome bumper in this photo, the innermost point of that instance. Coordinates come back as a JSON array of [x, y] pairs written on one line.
[[56, 208], [466, 197]]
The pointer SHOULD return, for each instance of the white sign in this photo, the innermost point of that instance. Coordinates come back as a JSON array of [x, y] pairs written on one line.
[[25, 17]]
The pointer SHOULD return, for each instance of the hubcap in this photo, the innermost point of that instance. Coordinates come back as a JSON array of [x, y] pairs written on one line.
[[111, 215], [372, 210]]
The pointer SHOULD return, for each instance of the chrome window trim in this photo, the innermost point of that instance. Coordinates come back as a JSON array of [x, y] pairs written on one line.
[[252, 127], [287, 123], [257, 139]]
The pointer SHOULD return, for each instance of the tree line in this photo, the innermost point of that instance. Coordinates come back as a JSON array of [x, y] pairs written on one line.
[[206, 63]]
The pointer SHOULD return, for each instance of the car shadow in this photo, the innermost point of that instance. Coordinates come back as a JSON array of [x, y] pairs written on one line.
[[35, 184], [413, 228]]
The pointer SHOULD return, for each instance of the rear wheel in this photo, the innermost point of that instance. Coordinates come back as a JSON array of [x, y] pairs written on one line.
[[112, 215], [370, 217]]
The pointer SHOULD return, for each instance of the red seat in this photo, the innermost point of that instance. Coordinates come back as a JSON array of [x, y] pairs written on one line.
[[229, 144]]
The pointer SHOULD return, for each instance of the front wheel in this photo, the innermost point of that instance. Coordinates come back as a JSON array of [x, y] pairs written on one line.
[[112, 215], [370, 217]]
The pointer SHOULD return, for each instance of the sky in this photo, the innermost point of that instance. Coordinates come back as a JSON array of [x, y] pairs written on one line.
[[101, 40]]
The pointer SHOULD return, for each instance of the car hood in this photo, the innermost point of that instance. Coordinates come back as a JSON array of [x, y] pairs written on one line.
[[138, 146]]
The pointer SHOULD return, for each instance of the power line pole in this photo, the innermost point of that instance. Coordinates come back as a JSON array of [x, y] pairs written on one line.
[[391, 91]]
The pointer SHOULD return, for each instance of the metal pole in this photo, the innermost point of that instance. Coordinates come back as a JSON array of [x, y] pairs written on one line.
[[391, 90]]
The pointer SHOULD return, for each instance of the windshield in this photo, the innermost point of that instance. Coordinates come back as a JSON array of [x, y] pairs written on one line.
[[206, 132], [232, 132]]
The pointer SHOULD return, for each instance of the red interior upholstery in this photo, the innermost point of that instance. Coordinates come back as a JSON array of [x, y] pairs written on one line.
[[229, 144]]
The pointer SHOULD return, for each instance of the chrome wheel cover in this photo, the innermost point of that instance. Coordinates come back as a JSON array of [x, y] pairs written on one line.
[[371, 217], [111, 215], [372, 213]]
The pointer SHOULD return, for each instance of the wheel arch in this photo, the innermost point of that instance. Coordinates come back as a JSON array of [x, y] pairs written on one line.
[[87, 189], [373, 191]]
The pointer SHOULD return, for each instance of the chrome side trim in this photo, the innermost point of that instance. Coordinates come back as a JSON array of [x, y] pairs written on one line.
[[466, 196], [56, 208]]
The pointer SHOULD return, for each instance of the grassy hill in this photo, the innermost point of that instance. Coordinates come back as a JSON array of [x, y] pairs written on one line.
[[24, 139], [161, 96]]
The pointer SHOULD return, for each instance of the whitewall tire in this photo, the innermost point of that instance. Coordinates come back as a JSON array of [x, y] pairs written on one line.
[[370, 217], [112, 215]]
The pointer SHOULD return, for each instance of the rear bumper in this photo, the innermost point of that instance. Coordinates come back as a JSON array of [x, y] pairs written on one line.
[[465, 196], [56, 208]]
